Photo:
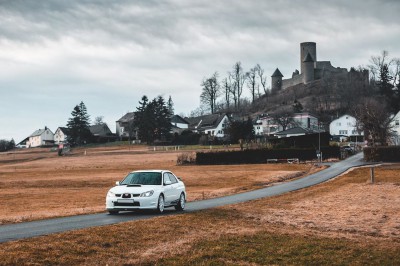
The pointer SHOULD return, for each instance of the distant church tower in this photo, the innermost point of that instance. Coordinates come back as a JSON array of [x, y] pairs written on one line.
[[305, 48], [276, 81]]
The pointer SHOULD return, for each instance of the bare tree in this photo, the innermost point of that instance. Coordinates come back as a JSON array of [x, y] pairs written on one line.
[[226, 88], [263, 79], [375, 120], [284, 117], [238, 78], [211, 91], [99, 120], [252, 82], [381, 61]]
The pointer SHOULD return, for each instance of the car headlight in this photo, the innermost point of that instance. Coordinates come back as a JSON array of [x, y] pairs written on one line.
[[147, 193], [110, 194]]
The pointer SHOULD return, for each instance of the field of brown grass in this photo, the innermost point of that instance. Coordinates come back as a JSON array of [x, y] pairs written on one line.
[[346, 221], [37, 183]]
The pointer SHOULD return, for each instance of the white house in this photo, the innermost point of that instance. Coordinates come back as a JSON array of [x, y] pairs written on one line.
[[213, 125], [258, 128], [40, 137], [269, 126], [345, 125], [61, 135], [395, 140], [305, 120]]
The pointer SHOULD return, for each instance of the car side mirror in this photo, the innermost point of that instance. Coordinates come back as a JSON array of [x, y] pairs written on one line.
[[118, 183], [166, 183]]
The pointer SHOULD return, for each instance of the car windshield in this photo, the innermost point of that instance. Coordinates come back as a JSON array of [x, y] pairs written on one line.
[[142, 178]]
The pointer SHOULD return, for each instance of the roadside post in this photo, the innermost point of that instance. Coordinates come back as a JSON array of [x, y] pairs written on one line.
[[372, 175]]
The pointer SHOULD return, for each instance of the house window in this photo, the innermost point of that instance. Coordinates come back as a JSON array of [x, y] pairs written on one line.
[[342, 132], [397, 122], [338, 124]]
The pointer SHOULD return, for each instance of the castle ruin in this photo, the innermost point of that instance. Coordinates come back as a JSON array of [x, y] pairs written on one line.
[[311, 69]]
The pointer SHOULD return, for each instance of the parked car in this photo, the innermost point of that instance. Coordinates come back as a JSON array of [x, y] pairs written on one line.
[[348, 149], [147, 189]]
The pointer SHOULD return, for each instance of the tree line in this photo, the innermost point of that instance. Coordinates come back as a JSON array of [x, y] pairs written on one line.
[[231, 88], [6, 145]]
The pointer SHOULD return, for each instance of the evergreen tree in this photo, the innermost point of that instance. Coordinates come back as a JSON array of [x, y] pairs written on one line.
[[170, 106], [78, 126], [153, 119], [241, 130], [384, 85]]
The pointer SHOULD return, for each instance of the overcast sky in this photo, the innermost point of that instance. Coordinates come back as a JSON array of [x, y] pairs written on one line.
[[55, 54]]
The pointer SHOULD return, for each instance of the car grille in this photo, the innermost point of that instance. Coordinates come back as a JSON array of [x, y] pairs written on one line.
[[127, 204], [127, 196]]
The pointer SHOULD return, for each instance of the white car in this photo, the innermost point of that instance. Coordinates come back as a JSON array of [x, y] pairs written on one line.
[[147, 189]]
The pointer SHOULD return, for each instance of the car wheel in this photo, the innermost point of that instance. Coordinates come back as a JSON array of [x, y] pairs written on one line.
[[113, 212], [181, 203], [160, 204]]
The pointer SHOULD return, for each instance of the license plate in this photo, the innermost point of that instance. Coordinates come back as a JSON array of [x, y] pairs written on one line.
[[125, 200]]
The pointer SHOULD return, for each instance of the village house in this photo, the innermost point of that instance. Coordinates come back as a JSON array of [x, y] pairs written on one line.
[[267, 126], [179, 124], [41, 137], [61, 135], [102, 133], [344, 126], [125, 128], [395, 138], [214, 125]]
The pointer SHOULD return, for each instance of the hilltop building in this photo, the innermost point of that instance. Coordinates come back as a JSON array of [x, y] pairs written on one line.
[[311, 69]]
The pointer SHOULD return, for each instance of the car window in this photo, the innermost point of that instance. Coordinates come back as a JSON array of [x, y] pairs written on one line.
[[142, 178], [166, 178], [172, 178]]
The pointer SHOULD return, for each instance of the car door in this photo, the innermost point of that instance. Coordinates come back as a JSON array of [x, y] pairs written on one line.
[[168, 189], [175, 187]]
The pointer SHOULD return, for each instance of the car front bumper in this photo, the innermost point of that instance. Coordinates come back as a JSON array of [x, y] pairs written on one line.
[[119, 204]]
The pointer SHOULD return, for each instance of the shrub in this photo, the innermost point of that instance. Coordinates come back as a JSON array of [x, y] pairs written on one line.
[[262, 155], [186, 158], [382, 154]]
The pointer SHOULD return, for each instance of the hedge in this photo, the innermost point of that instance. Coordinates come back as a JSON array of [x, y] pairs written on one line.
[[382, 154], [262, 155]]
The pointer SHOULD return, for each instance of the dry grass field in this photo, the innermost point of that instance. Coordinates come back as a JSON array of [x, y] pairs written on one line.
[[37, 183], [346, 221]]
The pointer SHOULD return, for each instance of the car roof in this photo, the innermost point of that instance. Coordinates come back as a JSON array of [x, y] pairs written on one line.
[[152, 171]]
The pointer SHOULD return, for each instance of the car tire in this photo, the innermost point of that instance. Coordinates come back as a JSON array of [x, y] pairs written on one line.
[[160, 204], [113, 212], [181, 203]]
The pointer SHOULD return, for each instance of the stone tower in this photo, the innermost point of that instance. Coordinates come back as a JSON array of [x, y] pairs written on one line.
[[308, 71], [276, 81], [305, 48]]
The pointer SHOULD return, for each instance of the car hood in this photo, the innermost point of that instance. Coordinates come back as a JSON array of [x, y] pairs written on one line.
[[134, 190]]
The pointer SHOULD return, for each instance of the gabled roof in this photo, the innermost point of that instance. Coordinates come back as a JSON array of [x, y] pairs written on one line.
[[178, 119], [205, 121], [100, 130], [308, 58], [277, 73], [64, 130], [294, 130], [127, 117], [39, 132]]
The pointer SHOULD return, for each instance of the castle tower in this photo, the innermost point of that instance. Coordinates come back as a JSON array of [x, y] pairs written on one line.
[[305, 48], [276, 81], [308, 71]]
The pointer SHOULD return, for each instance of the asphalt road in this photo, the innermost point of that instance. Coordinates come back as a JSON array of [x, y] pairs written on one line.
[[45, 227]]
